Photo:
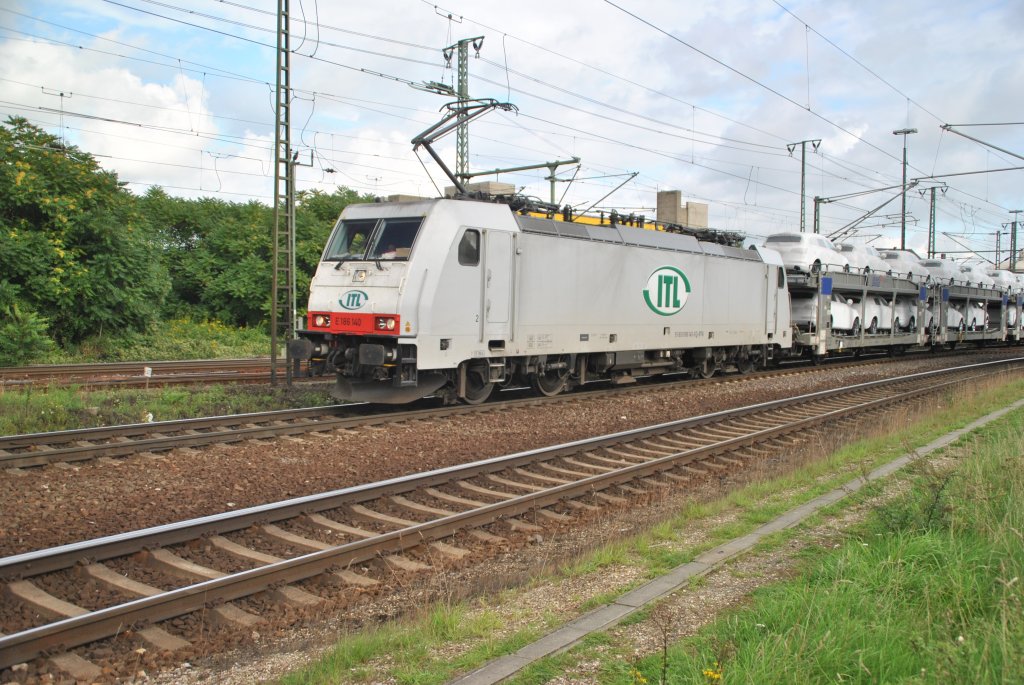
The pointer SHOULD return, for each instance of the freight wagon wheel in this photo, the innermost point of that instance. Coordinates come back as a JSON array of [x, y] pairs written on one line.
[[478, 387], [550, 383]]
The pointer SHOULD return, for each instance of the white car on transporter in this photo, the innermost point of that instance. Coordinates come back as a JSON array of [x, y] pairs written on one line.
[[905, 309], [942, 271], [954, 319], [975, 315], [1006, 281], [905, 264], [974, 275], [877, 313], [863, 258], [844, 315], [807, 252]]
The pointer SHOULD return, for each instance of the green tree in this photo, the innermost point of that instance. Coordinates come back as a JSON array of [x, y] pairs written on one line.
[[219, 254], [72, 243]]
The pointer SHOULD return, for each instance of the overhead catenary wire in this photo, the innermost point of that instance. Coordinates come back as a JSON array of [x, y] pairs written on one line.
[[751, 79], [248, 39], [706, 165], [621, 78]]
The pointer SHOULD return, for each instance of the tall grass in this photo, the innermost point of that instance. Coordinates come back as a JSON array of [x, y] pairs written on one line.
[[929, 590]]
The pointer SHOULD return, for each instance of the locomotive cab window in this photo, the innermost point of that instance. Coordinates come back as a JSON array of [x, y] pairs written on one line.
[[377, 239], [393, 239], [469, 248], [349, 240]]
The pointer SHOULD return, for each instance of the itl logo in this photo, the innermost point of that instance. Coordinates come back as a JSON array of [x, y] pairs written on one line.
[[667, 290], [353, 299]]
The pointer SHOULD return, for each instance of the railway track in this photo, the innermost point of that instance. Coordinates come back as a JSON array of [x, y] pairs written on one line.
[[304, 551], [39, 449], [141, 374]]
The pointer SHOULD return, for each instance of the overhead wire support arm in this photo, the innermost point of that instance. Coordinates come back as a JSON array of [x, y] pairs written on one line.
[[458, 114], [949, 127], [818, 201], [550, 166], [632, 175], [849, 228], [527, 167], [969, 249]]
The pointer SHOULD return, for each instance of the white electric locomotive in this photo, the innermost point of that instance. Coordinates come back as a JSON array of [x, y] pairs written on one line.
[[456, 297]]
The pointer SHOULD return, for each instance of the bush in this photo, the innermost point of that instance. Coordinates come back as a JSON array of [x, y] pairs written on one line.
[[23, 334]]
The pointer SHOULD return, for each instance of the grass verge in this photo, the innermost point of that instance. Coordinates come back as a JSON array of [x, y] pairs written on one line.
[[928, 590], [434, 658], [51, 408], [174, 339]]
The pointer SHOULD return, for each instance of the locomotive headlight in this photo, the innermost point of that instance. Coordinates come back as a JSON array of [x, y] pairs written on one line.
[[322, 321], [385, 323]]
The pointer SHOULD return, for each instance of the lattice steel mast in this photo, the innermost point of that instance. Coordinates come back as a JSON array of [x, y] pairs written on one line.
[[282, 312]]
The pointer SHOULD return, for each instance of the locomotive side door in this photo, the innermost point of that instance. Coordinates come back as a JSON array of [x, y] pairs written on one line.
[[775, 279], [497, 285]]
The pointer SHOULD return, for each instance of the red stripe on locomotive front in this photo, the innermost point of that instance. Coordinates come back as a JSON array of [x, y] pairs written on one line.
[[358, 324]]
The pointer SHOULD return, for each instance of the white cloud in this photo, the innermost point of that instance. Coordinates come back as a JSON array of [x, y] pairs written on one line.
[[946, 63]]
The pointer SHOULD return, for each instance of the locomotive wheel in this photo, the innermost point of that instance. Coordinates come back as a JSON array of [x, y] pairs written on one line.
[[478, 388], [550, 383], [745, 365], [705, 369]]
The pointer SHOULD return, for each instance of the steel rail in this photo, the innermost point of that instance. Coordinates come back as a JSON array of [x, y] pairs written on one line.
[[118, 367], [236, 427], [38, 449], [65, 556], [95, 625], [113, 373]]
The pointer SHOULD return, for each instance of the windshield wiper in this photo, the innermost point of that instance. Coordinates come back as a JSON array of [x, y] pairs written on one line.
[[346, 258]]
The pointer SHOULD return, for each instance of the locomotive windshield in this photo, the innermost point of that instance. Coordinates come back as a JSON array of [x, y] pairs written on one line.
[[373, 239]]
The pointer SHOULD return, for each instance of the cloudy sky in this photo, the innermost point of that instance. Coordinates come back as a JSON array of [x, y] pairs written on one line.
[[700, 97]]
